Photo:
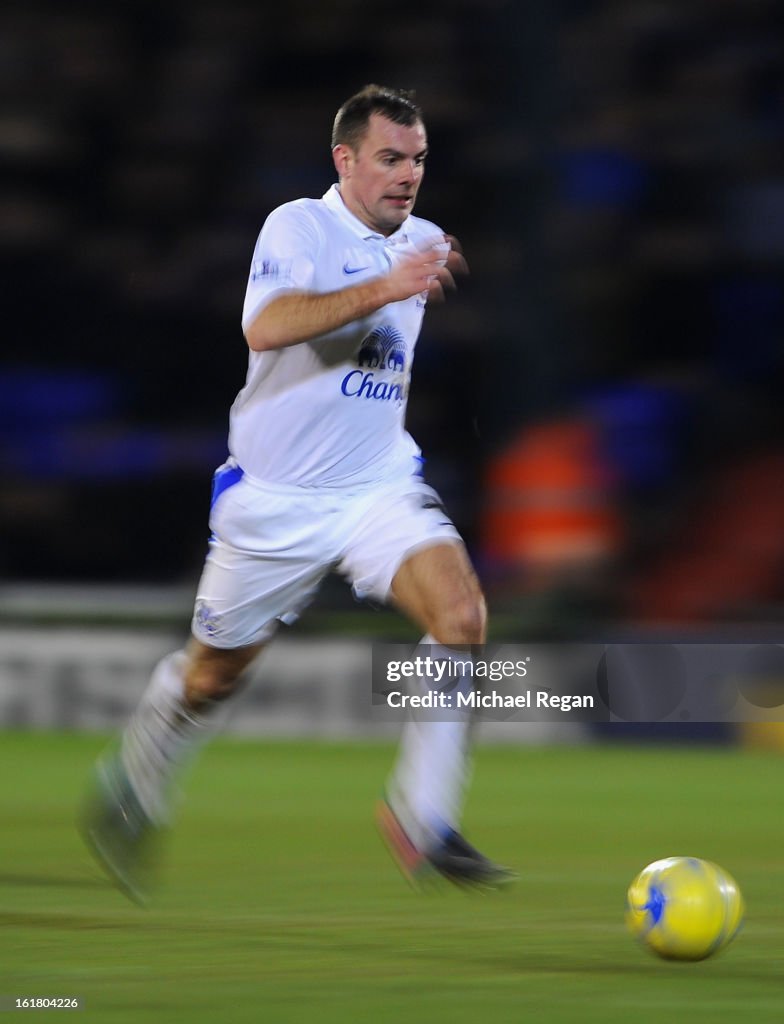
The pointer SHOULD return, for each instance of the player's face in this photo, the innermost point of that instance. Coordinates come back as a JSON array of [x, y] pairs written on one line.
[[379, 181]]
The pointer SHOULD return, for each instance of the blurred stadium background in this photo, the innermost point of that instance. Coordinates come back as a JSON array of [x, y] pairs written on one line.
[[600, 406]]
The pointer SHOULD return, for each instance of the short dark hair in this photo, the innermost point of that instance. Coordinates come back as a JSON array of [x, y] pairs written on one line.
[[351, 121]]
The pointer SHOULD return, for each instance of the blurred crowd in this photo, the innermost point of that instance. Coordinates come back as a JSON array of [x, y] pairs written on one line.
[[599, 407]]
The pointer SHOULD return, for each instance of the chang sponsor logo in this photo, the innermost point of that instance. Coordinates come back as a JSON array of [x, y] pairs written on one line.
[[382, 350], [364, 385]]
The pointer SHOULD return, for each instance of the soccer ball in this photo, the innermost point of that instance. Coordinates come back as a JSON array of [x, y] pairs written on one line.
[[683, 908]]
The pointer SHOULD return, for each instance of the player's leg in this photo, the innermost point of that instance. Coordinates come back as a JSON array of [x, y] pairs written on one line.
[[437, 588], [405, 551], [175, 716], [130, 803], [264, 562]]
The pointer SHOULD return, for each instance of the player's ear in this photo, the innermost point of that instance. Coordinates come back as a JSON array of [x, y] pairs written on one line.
[[343, 157]]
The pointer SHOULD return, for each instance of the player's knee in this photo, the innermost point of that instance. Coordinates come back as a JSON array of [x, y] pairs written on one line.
[[462, 621]]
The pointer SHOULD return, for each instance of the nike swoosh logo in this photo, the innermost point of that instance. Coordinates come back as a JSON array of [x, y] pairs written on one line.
[[353, 270]]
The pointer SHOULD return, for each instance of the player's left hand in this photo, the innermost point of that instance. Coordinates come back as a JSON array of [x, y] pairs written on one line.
[[454, 265]]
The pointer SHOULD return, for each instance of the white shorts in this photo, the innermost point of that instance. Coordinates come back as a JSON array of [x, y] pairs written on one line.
[[271, 546]]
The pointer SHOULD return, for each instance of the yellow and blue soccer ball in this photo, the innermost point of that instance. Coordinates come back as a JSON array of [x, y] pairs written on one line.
[[683, 908]]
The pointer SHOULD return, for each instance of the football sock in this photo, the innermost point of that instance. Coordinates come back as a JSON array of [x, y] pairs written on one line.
[[432, 770], [162, 735]]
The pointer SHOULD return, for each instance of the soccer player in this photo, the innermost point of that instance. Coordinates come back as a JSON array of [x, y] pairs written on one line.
[[322, 475]]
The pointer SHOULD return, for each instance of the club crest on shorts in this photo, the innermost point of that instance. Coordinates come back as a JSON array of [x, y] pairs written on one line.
[[207, 619]]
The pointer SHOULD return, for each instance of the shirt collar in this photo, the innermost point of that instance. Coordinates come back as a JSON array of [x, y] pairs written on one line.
[[334, 201]]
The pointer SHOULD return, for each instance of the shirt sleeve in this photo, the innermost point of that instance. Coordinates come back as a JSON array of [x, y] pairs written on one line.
[[284, 259]]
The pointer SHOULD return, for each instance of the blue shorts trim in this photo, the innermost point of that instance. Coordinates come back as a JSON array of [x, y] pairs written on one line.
[[224, 478]]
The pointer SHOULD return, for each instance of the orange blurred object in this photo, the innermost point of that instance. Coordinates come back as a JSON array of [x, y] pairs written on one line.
[[728, 557], [550, 502]]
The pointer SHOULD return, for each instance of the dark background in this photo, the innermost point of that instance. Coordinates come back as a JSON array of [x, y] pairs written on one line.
[[600, 405]]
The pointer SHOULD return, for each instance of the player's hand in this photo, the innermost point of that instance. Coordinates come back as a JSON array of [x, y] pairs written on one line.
[[430, 271], [455, 266]]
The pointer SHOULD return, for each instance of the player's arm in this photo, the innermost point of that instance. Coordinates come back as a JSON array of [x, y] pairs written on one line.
[[296, 316]]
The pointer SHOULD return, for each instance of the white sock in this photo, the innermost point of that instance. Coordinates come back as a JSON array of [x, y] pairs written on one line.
[[428, 783], [162, 735]]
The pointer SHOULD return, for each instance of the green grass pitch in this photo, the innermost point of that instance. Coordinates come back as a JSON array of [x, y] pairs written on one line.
[[280, 903]]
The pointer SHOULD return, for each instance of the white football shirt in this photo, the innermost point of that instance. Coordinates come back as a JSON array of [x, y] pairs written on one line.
[[329, 412]]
